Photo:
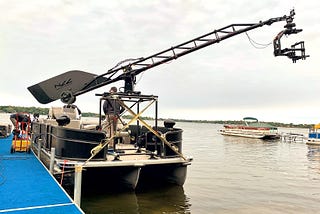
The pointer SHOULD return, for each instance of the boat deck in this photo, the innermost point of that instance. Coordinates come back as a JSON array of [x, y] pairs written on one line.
[[127, 156], [27, 187]]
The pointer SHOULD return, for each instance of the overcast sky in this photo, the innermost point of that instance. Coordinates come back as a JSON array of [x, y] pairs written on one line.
[[230, 80]]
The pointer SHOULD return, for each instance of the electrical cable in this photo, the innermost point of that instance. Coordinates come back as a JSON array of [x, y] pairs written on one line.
[[256, 44], [123, 61]]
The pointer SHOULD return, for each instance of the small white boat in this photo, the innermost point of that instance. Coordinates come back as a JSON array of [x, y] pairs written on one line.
[[314, 135], [251, 129]]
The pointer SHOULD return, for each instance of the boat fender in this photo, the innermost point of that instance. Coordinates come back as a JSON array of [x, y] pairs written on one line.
[[63, 120], [169, 124]]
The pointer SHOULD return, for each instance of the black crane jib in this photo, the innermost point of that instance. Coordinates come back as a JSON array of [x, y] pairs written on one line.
[[44, 93], [143, 64]]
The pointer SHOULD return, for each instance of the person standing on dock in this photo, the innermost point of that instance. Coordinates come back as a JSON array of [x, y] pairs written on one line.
[[112, 110], [21, 123], [20, 120]]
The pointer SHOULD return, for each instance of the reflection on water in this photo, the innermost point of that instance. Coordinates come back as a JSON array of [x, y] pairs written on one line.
[[244, 140], [168, 199], [314, 153]]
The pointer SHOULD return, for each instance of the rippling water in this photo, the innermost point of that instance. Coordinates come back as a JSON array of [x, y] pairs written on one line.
[[229, 175]]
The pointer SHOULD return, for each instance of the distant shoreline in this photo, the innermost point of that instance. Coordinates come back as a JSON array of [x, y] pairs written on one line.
[[45, 111]]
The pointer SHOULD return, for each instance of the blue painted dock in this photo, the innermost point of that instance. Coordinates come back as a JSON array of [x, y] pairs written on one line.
[[27, 187]]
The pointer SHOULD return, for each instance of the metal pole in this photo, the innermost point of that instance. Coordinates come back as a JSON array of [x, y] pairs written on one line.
[[39, 147], [52, 155], [77, 184], [156, 112], [100, 114]]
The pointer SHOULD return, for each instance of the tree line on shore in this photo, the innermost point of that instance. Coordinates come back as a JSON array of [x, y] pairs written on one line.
[[45, 111]]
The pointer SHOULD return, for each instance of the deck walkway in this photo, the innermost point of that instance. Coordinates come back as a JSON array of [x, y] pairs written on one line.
[[27, 187]]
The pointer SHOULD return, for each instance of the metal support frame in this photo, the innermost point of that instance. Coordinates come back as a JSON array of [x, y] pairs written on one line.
[[103, 144], [162, 138], [121, 98]]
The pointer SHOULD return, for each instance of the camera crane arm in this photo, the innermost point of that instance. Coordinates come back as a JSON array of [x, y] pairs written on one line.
[[131, 70], [70, 85]]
